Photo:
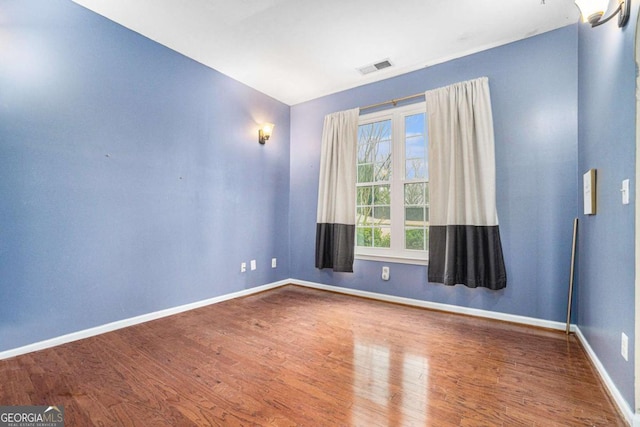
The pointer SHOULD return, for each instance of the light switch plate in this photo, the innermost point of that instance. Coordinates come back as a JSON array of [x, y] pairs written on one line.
[[253, 264], [625, 192], [589, 189]]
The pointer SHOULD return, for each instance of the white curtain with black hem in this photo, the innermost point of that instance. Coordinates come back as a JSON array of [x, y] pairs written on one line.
[[335, 227], [464, 239]]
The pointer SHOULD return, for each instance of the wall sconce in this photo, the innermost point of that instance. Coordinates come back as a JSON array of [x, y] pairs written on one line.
[[264, 133], [592, 11]]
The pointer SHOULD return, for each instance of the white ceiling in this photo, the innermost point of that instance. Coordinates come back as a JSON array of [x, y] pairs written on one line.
[[297, 50]]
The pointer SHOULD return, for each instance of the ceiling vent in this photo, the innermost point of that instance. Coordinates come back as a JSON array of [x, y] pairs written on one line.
[[367, 69]]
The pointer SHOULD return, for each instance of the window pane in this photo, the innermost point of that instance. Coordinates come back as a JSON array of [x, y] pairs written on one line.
[[374, 151], [416, 169], [363, 237], [414, 124], [382, 237], [414, 239], [365, 195], [414, 194], [415, 147], [365, 172], [382, 195], [365, 153], [382, 214], [383, 171], [373, 133], [364, 216], [414, 217], [381, 131], [382, 152], [416, 166]]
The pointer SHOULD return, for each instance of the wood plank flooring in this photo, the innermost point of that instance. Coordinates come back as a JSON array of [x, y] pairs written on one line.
[[294, 356]]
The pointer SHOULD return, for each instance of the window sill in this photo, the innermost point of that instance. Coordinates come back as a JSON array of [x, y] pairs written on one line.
[[394, 259]]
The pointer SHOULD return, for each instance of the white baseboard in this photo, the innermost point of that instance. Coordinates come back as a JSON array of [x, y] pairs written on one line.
[[75, 336], [632, 419], [102, 329], [530, 321]]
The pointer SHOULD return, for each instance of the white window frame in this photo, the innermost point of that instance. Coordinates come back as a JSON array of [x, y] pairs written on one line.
[[396, 253]]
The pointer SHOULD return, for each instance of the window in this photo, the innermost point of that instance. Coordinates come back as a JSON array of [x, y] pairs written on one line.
[[392, 201]]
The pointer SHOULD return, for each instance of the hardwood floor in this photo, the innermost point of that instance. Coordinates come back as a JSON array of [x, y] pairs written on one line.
[[294, 356]]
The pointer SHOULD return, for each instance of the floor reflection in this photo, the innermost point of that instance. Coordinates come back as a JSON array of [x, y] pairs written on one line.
[[415, 377], [390, 386]]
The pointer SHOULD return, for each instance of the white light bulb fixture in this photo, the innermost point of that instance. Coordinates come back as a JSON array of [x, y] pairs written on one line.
[[593, 10], [264, 133]]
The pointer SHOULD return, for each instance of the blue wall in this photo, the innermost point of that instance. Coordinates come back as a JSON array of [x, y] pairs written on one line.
[[535, 99], [131, 179], [607, 142]]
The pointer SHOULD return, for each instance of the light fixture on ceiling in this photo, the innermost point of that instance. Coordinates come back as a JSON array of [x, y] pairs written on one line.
[[264, 133], [592, 11]]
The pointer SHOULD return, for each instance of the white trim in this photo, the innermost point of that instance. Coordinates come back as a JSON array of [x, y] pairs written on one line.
[[631, 418], [392, 259], [396, 182], [524, 320], [637, 234], [102, 329], [109, 327], [623, 405]]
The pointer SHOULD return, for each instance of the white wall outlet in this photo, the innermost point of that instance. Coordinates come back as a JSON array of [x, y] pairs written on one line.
[[385, 273], [243, 267], [274, 262], [253, 264], [624, 346]]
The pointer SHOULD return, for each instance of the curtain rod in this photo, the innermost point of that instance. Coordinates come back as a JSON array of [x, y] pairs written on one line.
[[392, 101]]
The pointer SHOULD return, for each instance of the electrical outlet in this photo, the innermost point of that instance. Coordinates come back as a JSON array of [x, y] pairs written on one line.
[[243, 267], [274, 262], [385, 273], [624, 346], [253, 264]]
